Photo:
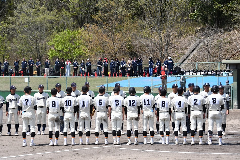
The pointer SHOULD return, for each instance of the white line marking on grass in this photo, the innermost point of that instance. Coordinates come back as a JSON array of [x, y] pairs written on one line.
[[164, 151], [4, 157], [21, 155], [95, 147], [186, 152], [48, 152], [86, 148], [29, 154], [122, 148], [12, 156], [135, 149], [149, 150], [76, 149], [38, 153], [66, 150], [58, 151]]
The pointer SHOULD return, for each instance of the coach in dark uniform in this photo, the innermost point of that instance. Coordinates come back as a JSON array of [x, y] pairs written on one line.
[[158, 65], [139, 64], [24, 66], [75, 67], [150, 65], [82, 68], [170, 65], [134, 64], [6, 65], [99, 67], [105, 67], [89, 67], [123, 67], [16, 66], [117, 65], [112, 67], [30, 64], [38, 67], [57, 65], [62, 66]]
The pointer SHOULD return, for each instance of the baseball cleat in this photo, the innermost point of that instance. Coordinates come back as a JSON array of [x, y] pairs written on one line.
[[80, 142], [151, 141], [106, 142], [8, 133], [118, 142], [65, 144], [200, 143], [42, 132], [145, 141], [114, 142], [192, 143], [122, 133], [24, 144], [136, 143], [96, 142], [28, 133], [55, 144], [209, 142], [220, 143], [16, 133], [224, 133], [0, 133], [51, 143], [129, 142], [38, 133], [87, 142], [176, 142], [32, 144]]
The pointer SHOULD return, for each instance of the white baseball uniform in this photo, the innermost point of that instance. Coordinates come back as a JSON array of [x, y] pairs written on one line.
[[54, 104], [121, 93], [132, 103], [180, 105], [164, 116], [101, 105], [171, 96], [84, 102], [147, 102], [196, 102], [214, 103], [69, 103], [225, 99], [116, 102], [13, 101], [1, 111], [75, 94], [41, 99], [27, 102]]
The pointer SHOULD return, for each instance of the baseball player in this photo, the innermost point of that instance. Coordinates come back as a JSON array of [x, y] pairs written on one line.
[[225, 111], [188, 94], [197, 111], [164, 114], [123, 94], [156, 98], [215, 104], [85, 105], [54, 105], [105, 95], [1, 113], [148, 104], [28, 107], [69, 104], [90, 93], [41, 98], [132, 102], [180, 105], [75, 93], [101, 106], [116, 114], [172, 95], [60, 94], [12, 109], [205, 94]]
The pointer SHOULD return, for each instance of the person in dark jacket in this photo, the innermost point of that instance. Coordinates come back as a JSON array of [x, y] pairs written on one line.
[[150, 65], [75, 67], [123, 67], [16, 67], [99, 67], [134, 64], [62, 66], [158, 65], [117, 65], [170, 65], [139, 64], [38, 67], [30, 64], [82, 68], [112, 67], [105, 67], [6, 65], [89, 67], [24, 66]]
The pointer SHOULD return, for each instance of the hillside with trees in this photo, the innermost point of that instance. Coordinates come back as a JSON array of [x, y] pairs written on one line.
[[77, 29]]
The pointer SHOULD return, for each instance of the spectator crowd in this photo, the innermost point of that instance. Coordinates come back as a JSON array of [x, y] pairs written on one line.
[[104, 67]]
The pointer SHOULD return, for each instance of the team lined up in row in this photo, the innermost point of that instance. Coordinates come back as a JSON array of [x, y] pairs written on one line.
[[80, 105]]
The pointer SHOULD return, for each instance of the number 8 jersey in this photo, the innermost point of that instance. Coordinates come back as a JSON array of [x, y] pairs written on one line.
[[53, 104], [214, 101]]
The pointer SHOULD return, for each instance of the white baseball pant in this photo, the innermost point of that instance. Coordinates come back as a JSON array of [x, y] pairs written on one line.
[[196, 116], [148, 117], [1, 116], [41, 115], [164, 118], [224, 116], [101, 118], [215, 116], [132, 118], [84, 117], [69, 118], [116, 119], [28, 119], [12, 112], [53, 120], [180, 117]]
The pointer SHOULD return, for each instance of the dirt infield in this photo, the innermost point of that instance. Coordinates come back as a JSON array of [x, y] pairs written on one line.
[[11, 146]]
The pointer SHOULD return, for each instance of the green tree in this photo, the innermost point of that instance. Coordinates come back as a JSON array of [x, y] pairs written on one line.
[[68, 45]]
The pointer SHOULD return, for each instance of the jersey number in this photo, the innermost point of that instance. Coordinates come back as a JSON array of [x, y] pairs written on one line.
[[148, 102], [100, 102], [26, 100], [163, 103], [117, 102], [179, 104], [132, 103], [214, 100], [53, 104], [195, 102], [68, 103]]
